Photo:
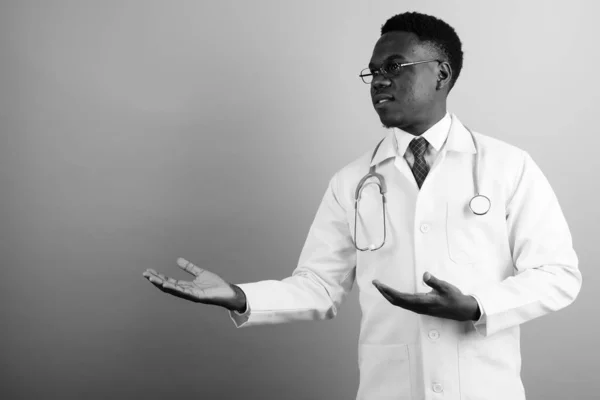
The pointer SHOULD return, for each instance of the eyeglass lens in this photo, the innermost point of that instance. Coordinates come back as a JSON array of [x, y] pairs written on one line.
[[390, 68]]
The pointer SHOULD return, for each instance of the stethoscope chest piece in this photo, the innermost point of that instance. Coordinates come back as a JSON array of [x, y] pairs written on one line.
[[480, 205]]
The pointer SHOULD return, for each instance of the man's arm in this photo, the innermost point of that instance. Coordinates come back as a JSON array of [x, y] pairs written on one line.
[[547, 277], [324, 275]]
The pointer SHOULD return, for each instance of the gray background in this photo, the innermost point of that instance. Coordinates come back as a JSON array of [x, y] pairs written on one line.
[[136, 132]]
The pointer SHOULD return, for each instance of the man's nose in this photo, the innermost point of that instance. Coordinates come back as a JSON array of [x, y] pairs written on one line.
[[380, 81]]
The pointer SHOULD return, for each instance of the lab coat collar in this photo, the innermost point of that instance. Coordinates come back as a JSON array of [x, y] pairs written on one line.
[[459, 140], [386, 150]]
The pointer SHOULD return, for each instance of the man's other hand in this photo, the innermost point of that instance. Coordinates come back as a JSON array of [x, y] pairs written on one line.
[[444, 301], [207, 287]]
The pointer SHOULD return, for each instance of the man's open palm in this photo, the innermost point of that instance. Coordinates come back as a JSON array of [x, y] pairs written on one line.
[[207, 287]]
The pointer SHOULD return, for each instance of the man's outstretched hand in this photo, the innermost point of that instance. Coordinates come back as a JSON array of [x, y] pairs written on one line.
[[444, 301], [207, 287]]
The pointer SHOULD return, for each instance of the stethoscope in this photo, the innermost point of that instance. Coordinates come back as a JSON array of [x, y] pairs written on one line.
[[479, 204]]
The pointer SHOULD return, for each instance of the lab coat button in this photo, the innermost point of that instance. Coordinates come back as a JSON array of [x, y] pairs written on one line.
[[433, 334], [437, 387], [424, 228]]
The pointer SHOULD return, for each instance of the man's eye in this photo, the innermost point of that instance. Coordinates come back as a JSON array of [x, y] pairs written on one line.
[[394, 68]]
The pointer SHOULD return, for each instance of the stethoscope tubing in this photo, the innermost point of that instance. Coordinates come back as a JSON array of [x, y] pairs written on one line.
[[479, 204]]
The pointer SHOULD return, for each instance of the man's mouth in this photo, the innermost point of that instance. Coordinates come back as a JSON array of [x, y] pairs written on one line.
[[381, 99]]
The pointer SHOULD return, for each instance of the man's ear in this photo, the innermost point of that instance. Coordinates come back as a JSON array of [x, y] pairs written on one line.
[[444, 75]]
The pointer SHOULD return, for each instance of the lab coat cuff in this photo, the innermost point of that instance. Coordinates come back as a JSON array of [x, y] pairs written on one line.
[[240, 319], [243, 312], [480, 324]]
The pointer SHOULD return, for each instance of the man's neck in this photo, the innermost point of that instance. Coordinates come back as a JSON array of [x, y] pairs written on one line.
[[419, 127]]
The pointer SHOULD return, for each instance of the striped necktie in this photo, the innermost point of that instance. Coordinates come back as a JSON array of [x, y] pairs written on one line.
[[418, 146]]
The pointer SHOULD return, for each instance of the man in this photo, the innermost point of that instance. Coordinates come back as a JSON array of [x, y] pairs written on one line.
[[444, 284]]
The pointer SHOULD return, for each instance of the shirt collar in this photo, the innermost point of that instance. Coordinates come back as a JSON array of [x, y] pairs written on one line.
[[436, 135], [449, 129]]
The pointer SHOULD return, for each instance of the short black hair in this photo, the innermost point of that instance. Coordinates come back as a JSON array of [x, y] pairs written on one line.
[[432, 31]]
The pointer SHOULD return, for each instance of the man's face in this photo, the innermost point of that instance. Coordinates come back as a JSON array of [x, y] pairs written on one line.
[[413, 92]]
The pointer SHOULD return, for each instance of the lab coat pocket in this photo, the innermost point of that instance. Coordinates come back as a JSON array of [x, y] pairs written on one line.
[[385, 372], [464, 231], [489, 364]]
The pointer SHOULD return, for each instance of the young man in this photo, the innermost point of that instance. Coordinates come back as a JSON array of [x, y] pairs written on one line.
[[445, 277]]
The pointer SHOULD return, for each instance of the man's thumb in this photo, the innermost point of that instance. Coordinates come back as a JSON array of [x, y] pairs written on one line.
[[434, 282]]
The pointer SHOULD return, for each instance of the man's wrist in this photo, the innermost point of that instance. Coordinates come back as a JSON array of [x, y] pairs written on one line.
[[240, 304], [475, 314]]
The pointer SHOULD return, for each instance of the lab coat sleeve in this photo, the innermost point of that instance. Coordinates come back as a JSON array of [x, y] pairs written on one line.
[[324, 275], [547, 277]]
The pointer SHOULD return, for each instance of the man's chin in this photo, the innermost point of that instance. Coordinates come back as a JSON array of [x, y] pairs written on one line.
[[388, 123]]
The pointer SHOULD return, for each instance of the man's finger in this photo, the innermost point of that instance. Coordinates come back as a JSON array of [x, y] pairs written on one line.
[[409, 301], [158, 282], [406, 297], [435, 283], [150, 272], [158, 276], [165, 278], [181, 292], [170, 288], [154, 278], [155, 281], [175, 285], [387, 297], [189, 267], [162, 276]]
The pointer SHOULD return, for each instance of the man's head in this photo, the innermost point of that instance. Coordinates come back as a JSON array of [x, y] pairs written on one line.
[[417, 93]]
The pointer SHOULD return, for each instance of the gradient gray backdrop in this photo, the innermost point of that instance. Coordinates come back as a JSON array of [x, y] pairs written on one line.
[[136, 132]]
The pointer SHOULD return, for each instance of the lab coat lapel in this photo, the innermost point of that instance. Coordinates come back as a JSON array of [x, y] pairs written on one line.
[[402, 166], [389, 149]]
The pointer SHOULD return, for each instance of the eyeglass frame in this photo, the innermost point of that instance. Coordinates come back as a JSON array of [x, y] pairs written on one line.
[[385, 74]]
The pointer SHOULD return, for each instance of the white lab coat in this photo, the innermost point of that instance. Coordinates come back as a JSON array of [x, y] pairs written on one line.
[[518, 261]]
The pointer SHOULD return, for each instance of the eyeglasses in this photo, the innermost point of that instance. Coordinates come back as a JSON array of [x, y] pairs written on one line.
[[389, 69]]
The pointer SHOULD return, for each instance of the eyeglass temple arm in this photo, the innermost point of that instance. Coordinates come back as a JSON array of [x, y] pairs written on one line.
[[402, 65]]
